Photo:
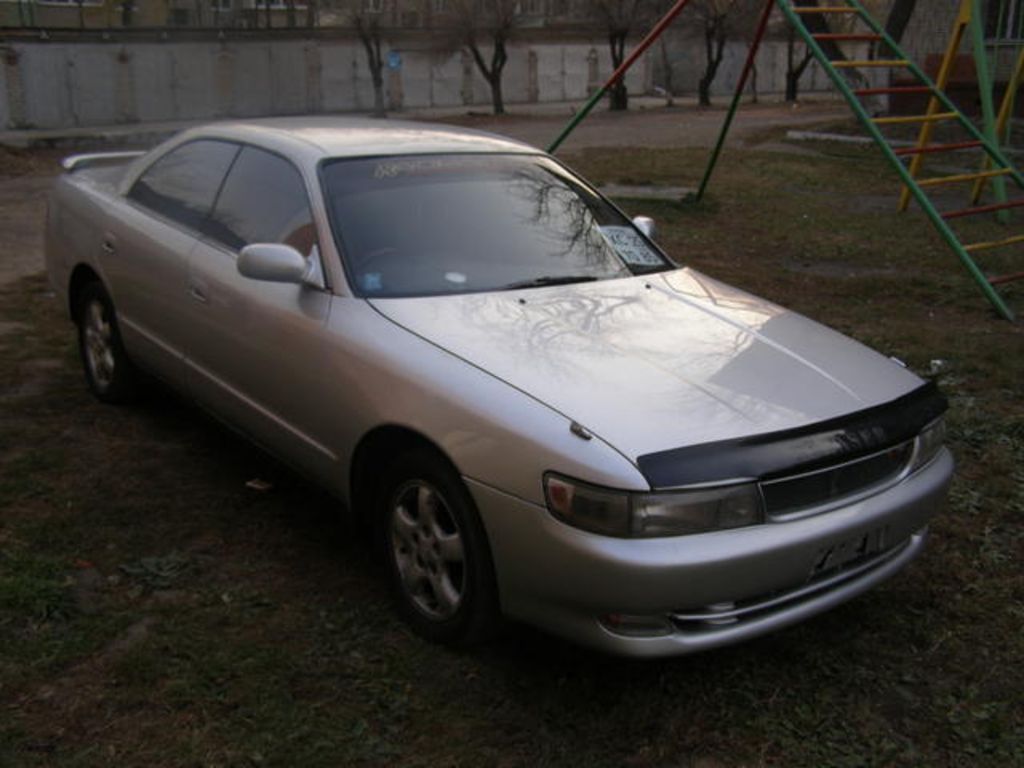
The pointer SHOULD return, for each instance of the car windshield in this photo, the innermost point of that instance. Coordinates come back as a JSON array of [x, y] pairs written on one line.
[[442, 224]]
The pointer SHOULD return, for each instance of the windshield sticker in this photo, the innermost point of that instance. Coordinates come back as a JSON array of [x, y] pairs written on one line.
[[372, 281], [630, 246], [423, 166]]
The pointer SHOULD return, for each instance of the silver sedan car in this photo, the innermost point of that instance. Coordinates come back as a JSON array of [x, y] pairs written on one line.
[[540, 415]]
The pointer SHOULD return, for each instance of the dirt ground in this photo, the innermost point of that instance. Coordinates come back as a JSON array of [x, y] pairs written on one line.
[[22, 215], [157, 609], [26, 176]]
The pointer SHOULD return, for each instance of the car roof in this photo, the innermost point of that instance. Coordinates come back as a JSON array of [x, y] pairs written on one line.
[[316, 138]]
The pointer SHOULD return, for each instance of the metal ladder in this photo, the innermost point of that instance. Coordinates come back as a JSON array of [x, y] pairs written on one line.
[[941, 110]]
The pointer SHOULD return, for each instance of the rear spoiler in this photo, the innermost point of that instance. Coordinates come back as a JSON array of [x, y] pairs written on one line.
[[73, 163]]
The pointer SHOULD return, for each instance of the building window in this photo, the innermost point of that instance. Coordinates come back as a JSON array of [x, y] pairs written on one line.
[[374, 6], [57, 2], [275, 5], [440, 6], [530, 7], [1004, 21]]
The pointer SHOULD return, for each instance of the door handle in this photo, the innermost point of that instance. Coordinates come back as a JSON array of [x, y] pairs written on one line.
[[108, 248], [197, 294]]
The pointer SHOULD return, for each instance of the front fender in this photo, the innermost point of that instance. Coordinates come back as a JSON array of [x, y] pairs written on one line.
[[493, 433]]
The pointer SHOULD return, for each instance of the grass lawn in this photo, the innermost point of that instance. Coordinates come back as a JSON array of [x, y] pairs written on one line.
[[155, 611]]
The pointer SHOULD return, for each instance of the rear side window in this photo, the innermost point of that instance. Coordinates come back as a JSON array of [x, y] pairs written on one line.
[[183, 184], [263, 201]]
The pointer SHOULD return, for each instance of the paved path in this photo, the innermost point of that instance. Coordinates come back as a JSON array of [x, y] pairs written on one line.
[[656, 126]]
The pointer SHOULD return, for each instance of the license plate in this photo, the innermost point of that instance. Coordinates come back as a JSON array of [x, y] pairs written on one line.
[[842, 553]]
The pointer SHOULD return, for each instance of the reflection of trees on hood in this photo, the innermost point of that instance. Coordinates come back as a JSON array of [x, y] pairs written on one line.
[[530, 331]]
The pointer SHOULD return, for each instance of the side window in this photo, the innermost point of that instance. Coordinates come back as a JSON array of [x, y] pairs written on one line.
[[263, 201], [183, 184]]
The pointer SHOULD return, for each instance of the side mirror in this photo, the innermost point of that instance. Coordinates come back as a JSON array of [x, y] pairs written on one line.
[[646, 225], [273, 262]]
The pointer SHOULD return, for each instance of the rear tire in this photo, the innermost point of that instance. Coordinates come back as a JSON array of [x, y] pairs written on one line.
[[438, 557], [109, 373]]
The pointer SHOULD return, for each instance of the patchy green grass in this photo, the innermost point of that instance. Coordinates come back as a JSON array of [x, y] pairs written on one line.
[[156, 611]]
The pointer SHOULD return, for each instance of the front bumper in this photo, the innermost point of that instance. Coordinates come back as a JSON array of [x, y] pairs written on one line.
[[710, 589]]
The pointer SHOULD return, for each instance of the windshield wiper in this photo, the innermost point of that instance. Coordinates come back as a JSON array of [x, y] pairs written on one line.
[[539, 282], [650, 269]]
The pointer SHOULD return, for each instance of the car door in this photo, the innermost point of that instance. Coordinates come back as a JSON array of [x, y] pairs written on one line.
[[147, 245], [255, 348]]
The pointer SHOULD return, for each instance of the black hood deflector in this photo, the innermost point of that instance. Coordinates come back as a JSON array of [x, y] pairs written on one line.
[[792, 451]]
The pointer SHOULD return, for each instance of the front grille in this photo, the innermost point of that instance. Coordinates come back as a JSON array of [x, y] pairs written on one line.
[[822, 487]]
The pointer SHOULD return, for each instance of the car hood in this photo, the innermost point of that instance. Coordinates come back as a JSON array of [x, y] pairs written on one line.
[[658, 362]]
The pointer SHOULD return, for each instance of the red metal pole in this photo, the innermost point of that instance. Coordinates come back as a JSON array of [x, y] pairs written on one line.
[[646, 43], [747, 69], [755, 44]]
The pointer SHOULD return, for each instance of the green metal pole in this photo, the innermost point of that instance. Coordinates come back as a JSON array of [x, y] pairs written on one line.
[[922, 199], [747, 68], [635, 54], [992, 150], [578, 118], [1007, 133], [1004, 33], [988, 113]]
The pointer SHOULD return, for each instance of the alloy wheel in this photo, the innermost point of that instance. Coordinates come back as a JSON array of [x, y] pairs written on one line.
[[99, 344], [428, 550]]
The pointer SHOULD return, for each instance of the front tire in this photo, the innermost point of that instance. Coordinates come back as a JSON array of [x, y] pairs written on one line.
[[108, 371], [438, 557]]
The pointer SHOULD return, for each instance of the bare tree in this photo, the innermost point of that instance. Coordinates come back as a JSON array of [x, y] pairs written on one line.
[[619, 18], [719, 22], [818, 24], [899, 17], [311, 13], [487, 23], [368, 28], [795, 69], [666, 68], [365, 19]]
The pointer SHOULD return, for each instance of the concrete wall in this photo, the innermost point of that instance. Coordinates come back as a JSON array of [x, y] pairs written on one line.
[[686, 59], [929, 30], [58, 85], [66, 84], [5, 112]]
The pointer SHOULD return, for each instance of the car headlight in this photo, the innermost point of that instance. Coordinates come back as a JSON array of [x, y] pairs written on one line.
[[928, 444], [647, 515]]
